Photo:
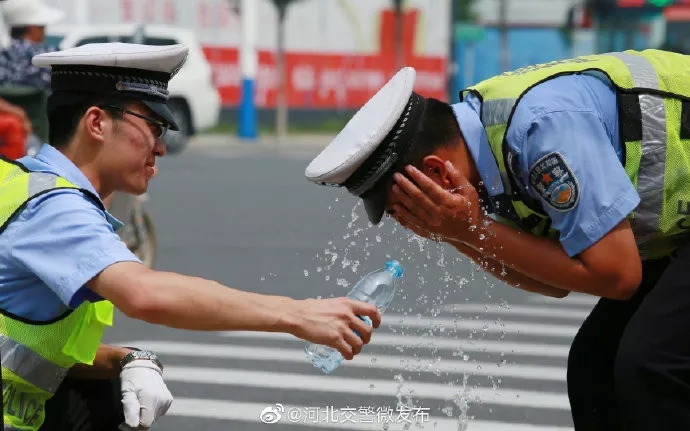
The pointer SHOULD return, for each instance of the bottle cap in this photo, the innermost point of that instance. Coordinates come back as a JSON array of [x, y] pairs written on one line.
[[395, 267]]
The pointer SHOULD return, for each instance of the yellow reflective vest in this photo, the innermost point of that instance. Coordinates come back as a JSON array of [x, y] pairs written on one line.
[[654, 121], [37, 355]]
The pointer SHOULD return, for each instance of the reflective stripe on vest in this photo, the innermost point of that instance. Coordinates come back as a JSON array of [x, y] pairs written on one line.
[[650, 182], [40, 182], [36, 357], [30, 366]]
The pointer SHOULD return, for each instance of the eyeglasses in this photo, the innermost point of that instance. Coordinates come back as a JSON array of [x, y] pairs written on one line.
[[159, 128]]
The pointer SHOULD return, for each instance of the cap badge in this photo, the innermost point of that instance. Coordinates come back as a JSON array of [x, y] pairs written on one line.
[[137, 87]]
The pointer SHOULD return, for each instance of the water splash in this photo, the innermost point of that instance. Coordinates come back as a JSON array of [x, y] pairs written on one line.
[[436, 275]]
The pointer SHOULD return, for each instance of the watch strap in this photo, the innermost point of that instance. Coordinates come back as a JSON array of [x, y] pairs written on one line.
[[141, 355]]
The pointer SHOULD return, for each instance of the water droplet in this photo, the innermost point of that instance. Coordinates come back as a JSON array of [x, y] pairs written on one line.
[[482, 237], [465, 357], [306, 273]]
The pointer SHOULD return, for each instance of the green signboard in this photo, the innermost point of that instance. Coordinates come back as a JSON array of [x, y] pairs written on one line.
[[469, 32]]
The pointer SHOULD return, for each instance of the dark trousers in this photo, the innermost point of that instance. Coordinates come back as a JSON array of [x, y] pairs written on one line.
[[85, 405], [629, 364]]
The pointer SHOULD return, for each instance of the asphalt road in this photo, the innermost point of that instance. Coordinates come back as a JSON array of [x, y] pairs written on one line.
[[457, 351]]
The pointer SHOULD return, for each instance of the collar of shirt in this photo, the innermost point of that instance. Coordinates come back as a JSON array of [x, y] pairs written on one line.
[[467, 116], [50, 160]]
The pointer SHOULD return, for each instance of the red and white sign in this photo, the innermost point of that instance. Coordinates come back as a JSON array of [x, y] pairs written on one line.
[[324, 80], [338, 52]]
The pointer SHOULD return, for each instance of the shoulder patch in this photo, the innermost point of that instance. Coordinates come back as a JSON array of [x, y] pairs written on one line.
[[551, 177]]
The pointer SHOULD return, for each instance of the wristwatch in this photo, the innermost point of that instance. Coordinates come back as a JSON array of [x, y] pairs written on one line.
[[140, 354]]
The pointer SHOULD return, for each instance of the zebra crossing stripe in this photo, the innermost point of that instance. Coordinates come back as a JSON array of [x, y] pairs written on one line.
[[497, 326], [251, 412], [562, 313], [432, 342], [363, 360], [369, 387]]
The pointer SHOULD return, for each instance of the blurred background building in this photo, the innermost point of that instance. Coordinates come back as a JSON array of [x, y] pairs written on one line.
[[338, 52]]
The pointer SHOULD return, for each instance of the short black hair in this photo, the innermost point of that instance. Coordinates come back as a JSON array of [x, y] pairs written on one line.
[[19, 32], [438, 129], [63, 120]]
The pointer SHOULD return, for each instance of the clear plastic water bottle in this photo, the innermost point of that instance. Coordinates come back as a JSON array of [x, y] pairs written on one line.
[[377, 287]]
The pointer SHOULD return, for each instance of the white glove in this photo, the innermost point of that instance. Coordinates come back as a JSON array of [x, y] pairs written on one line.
[[145, 397]]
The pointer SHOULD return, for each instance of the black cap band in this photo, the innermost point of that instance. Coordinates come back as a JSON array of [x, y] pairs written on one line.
[[389, 156], [136, 83]]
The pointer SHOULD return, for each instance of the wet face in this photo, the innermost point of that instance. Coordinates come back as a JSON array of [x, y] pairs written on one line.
[[130, 148]]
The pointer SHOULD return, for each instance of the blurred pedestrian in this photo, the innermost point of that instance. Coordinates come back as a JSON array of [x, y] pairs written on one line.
[[27, 21]]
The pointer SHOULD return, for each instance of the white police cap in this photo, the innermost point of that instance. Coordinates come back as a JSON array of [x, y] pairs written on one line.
[[373, 144], [130, 70]]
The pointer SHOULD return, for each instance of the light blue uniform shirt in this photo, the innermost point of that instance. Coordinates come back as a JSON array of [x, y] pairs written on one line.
[[55, 245], [566, 153]]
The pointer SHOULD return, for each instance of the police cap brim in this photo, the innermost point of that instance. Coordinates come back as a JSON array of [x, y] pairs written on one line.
[[375, 200], [373, 145], [164, 112]]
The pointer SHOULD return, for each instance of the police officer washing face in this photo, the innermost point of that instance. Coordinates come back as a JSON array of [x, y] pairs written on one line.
[[63, 268], [582, 168]]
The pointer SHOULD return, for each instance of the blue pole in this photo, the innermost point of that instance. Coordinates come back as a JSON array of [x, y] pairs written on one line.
[[247, 117], [249, 64]]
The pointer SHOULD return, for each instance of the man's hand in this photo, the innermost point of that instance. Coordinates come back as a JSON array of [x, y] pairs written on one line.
[[332, 322], [145, 397], [433, 212]]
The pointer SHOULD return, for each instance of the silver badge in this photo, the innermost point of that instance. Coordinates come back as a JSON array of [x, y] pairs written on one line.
[[137, 87]]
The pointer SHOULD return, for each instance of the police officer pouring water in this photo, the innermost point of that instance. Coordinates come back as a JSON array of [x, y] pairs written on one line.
[[571, 176], [63, 269]]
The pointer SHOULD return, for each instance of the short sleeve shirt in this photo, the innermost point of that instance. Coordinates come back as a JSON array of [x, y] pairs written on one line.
[[56, 244], [566, 153]]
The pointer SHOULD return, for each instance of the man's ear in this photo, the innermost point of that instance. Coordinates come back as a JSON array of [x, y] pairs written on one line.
[[435, 168], [95, 123]]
